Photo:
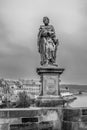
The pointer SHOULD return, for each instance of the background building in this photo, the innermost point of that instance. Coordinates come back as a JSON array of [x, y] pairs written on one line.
[[10, 89]]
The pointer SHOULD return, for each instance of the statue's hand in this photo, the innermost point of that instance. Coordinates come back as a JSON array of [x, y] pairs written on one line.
[[44, 33], [51, 34]]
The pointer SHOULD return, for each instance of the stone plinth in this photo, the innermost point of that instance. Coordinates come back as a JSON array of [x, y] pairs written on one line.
[[47, 101], [50, 88]]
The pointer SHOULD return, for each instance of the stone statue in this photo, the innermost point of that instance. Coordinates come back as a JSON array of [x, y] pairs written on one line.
[[47, 43]]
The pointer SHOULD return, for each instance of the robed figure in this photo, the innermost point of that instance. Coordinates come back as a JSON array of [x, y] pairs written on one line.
[[47, 43]]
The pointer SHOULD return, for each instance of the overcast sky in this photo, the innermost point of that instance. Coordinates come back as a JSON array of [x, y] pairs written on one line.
[[19, 26]]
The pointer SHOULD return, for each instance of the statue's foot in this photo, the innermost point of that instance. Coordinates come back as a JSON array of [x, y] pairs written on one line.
[[52, 63], [43, 63]]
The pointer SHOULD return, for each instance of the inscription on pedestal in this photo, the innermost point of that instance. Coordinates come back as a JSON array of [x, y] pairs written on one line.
[[50, 85]]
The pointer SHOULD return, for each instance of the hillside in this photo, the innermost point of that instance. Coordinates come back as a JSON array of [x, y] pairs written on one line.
[[71, 87]]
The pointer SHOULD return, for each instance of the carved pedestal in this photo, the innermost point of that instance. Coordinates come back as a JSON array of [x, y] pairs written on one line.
[[50, 88]]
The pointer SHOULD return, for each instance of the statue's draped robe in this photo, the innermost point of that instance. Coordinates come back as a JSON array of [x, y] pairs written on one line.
[[47, 44]]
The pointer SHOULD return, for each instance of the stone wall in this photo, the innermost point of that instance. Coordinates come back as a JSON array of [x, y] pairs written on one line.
[[24, 119], [54, 118], [74, 119]]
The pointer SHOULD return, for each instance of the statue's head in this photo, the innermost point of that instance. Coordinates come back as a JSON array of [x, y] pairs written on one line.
[[46, 20]]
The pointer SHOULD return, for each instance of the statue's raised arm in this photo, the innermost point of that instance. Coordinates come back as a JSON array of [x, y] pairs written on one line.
[[47, 43]]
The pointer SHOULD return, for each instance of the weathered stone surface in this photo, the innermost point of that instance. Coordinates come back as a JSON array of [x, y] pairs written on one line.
[[74, 119], [83, 125], [49, 103], [4, 126], [27, 113], [3, 114], [82, 128], [45, 125], [50, 70], [32, 126], [66, 125], [54, 117], [84, 118], [75, 125], [71, 114], [14, 120], [84, 111], [47, 43], [50, 80], [67, 118], [70, 125], [4, 120]]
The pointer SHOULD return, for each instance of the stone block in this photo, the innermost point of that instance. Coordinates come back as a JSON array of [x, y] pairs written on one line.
[[32, 126], [84, 118], [49, 101], [84, 111], [70, 125], [66, 125], [45, 125], [82, 129], [14, 120], [4, 126], [83, 125], [3, 114], [23, 113], [71, 115], [53, 117]]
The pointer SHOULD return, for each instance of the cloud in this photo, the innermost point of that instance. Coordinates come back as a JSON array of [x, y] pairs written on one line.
[[19, 26], [20, 17], [20, 63]]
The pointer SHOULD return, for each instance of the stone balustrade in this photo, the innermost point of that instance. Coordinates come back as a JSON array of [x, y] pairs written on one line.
[[56, 118]]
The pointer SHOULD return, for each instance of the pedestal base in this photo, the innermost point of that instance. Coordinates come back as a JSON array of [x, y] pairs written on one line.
[[50, 101], [50, 88]]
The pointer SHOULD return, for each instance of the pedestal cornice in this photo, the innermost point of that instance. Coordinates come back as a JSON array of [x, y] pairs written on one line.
[[49, 69]]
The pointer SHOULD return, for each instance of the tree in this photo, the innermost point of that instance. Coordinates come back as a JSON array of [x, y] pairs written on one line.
[[24, 100]]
